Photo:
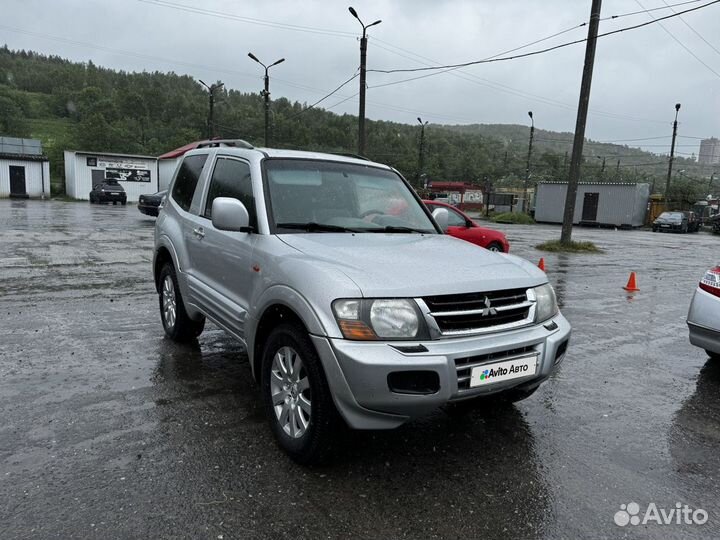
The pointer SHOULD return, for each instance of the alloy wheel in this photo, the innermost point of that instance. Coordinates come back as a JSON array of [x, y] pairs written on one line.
[[290, 392], [168, 301]]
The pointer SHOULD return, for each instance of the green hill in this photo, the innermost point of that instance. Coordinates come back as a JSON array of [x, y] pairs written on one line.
[[82, 106]]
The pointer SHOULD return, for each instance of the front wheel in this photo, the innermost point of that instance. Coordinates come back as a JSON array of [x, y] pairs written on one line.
[[176, 322], [296, 395], [495, 246]]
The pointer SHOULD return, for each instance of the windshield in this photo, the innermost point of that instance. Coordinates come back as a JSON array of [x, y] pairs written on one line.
[[671, 215], [322, 196]]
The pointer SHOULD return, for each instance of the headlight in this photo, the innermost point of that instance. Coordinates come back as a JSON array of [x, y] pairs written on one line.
[[546, 303], [379, 319]]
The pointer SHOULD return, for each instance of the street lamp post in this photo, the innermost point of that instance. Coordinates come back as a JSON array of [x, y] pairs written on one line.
[[421, 153], [211, 93], [266, 94], [363, 67], [672, 153], [527, 168]]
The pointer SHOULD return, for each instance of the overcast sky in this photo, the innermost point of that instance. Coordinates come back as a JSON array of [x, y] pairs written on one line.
[[639, 74]]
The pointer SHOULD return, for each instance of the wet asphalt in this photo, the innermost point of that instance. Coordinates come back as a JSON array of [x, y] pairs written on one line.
[[111, 431]]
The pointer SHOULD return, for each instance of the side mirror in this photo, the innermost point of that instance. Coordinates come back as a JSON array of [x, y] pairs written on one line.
[[469, 224], [229, 214], [440, 215]]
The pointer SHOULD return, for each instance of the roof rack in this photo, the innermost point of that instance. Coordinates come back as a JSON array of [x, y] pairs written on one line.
[[350, 154], [216, 143]]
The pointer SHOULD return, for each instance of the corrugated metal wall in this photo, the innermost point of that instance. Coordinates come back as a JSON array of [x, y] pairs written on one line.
[[78, 174], [618, 204], [166, 171], [34, 171]]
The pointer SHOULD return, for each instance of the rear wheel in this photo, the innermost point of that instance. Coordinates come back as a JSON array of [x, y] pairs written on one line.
[[296, 395], [178, 325], [124, 203], [495, 246]]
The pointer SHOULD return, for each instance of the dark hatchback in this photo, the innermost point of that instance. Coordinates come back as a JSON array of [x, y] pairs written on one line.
[[150, 204], [108, 191], [676, 221]]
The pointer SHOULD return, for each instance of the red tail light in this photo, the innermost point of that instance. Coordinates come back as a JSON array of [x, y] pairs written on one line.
[[711, 281]]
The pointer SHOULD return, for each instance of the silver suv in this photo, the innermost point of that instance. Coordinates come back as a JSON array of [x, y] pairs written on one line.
[[352, 303]]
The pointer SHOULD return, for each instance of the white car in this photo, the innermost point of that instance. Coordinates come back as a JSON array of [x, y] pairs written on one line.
[[704, 315]]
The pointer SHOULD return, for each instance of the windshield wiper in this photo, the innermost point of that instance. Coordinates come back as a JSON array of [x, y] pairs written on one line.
[[396, 229], [312, 226]]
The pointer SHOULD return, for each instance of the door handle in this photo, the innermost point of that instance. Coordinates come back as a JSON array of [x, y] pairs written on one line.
[[199, 232]]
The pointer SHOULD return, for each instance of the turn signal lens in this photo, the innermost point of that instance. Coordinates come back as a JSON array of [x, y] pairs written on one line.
[[356, 330]]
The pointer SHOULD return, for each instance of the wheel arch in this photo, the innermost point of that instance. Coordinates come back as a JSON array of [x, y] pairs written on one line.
[[281, 304]]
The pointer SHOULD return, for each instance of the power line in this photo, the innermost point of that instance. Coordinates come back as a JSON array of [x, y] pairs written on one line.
[[693, 29], [249, 20], [546, 50], [668, 32], [324, 97], [667, 6]]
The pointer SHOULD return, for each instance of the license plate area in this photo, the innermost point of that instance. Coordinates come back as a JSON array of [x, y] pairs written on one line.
[[507, 370]]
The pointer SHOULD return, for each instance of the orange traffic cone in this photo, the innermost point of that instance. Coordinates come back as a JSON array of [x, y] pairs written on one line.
[[632, 283], [541, 264]]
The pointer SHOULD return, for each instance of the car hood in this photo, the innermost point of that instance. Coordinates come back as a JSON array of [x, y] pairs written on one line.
[[407, 265], [668, 220]]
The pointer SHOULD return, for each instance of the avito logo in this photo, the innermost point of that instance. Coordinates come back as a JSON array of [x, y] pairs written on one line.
[[500, 371]]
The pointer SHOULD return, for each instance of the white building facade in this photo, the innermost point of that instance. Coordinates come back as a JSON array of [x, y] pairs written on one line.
[[24, 170], [138, 175]]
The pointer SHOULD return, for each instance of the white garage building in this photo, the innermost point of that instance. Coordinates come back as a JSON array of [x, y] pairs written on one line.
[[138, 175], [24, 170]]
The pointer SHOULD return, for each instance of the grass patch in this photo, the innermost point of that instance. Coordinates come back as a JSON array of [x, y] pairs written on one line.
[[517, 218], [572, 247]]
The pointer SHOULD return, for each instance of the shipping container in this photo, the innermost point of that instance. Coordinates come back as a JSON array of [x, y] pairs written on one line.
[[600, 204]]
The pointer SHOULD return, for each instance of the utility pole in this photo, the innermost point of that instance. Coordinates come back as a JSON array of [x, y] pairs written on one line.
[[363, 68], [266, 95], [577, 149], [421, 155], [211, 97], [672, 153], [527, 168]]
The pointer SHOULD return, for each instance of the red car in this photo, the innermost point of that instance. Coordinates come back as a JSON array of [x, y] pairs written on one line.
[[461, 226]]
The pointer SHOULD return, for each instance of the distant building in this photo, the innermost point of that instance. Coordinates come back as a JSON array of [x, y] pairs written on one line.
[[24, 170], [709, 151], [137, 174], [599, 204]]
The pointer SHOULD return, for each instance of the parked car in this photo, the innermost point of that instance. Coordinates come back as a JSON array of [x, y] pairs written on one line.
[[676, 221], [460, 225], [108, 191], [704, 315], [150, 204], [352, 304]]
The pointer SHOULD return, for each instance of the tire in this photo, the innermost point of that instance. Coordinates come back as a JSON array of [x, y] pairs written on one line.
[[302, 417], [176, 322], [713, 355], [495, 246], [684, 229], [124, 203], [503, 399]]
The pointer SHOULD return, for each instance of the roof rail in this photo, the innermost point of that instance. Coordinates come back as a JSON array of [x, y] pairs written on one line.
[[350, 154], [216, 143]]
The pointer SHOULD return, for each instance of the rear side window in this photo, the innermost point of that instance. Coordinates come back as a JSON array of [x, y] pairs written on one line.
[[187, 179], [231, 178]]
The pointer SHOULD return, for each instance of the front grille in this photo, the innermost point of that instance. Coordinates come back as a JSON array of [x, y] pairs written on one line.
[[464, 365], [460, 314]]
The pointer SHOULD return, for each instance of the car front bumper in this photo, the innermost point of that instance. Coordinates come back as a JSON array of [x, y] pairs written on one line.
[[704, 320], [357, 372]]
